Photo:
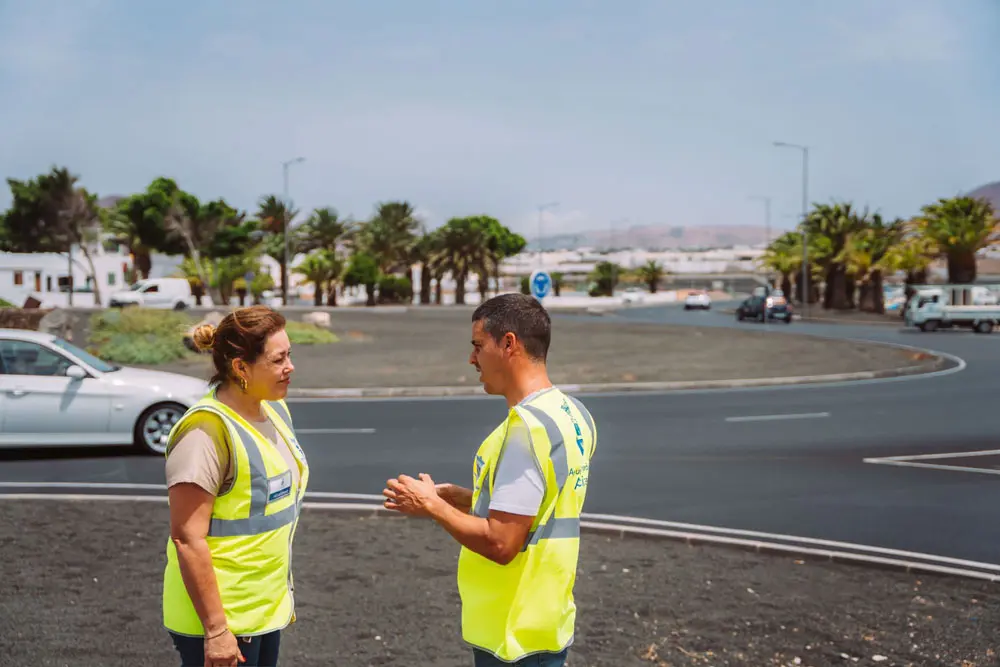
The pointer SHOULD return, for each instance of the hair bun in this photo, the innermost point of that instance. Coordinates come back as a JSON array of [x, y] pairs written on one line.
[[204, 337]]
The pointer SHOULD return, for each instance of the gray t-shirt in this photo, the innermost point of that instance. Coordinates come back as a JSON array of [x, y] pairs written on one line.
[[518, 486]]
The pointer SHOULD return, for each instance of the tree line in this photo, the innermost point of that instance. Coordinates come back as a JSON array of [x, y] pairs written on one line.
[[851, 252], [222, 245]]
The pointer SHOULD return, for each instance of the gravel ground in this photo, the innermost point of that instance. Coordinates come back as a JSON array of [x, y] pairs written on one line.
[[80, 586], [430, 347]]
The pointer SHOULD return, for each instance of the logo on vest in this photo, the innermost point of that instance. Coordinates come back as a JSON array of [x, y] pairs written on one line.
[[576, 426]]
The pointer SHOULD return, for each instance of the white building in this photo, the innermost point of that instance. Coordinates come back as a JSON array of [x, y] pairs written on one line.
[[45, 276]]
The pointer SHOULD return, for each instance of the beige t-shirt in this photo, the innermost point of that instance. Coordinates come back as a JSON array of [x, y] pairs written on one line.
[[201, 456]]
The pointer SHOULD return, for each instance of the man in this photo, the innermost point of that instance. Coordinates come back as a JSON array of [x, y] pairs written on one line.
[[519, 526]]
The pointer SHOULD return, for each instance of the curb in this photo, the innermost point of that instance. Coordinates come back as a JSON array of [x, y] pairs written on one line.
[[829, 320], [849, 554], [940, 362]]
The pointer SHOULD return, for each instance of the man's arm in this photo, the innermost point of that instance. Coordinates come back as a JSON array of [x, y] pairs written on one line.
[[499, 538], [518, 490]]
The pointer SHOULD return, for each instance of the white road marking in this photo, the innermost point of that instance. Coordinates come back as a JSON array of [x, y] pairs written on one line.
[[771, 418], [614, 523], [915, 461], [316, 431]]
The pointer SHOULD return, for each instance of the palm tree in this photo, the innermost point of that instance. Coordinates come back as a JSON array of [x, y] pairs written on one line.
[[959, 227], [864, 257], [275, 217], [326, 230], [784, 257], [651, 273], [912, 255], [390, 235], [831, 226], [321, 268], [462, 251]]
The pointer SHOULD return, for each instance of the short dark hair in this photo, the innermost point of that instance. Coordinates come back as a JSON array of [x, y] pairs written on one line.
[[519, 314]]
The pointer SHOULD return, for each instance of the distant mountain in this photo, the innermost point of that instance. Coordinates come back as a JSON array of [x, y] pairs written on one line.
[[109, 201], [659, 237], [990, 191]]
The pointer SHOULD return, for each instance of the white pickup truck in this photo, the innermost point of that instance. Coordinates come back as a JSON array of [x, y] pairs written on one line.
[[935, 307]]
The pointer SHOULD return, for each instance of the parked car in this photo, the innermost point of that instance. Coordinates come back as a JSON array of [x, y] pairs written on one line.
[[697, 299], [766, 308], [169, 293], [53, 393], [633, 295]]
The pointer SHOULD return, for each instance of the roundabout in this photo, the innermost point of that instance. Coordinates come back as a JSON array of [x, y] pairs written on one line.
[[820, 472]]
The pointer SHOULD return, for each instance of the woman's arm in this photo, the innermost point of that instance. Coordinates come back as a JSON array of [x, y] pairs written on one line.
[[190, 514]]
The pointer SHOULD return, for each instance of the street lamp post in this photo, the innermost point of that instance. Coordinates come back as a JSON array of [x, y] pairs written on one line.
[[805, 213], [541, 209], [285, 224]]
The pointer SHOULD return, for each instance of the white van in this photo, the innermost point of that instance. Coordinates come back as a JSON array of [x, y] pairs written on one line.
[[166, 293]]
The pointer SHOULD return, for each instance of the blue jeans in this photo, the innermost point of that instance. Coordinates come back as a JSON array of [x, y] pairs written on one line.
[[484, 659], [260, 651]]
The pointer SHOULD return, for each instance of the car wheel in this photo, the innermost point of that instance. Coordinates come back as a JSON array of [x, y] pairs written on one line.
[[153, 426]]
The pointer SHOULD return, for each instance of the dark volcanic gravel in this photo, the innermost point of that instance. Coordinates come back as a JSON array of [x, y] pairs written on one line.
[[430, 347], [80, 587]]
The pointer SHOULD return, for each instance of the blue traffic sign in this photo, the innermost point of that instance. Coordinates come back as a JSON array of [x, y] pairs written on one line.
[[541, 284]]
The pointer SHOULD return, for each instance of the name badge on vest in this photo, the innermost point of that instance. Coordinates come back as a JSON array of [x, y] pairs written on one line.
[[279, 487]]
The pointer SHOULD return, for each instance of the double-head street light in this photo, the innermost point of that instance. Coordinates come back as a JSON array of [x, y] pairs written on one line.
[[287, 222], [805, 213]]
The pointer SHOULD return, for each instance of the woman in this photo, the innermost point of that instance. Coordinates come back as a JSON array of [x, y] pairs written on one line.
[[235, 477]]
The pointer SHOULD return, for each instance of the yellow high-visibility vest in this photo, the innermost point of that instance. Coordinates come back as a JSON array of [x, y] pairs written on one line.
[[527, 606], [251, 530]]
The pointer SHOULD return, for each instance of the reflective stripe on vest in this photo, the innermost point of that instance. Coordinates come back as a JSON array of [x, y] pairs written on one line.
[[258, 522]]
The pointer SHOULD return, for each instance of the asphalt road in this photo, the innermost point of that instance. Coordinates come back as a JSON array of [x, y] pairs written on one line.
[[788, 460]]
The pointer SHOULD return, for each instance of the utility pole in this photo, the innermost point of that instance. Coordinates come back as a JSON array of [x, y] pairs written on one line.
[[541, 209], [805, 214], [285, 225]]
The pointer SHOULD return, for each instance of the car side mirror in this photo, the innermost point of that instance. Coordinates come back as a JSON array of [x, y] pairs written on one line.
[[76, 373]]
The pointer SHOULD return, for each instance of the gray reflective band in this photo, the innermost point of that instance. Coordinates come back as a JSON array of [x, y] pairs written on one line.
[[258, 473], [257, 522], [283, 413], [482, 508], [557, 452], [254, 525], [587, 417], [555, 529]]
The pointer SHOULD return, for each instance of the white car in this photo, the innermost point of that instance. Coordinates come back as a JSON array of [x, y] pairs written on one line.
[[52, 393], [170, 293], [697, 299], [633, 295]]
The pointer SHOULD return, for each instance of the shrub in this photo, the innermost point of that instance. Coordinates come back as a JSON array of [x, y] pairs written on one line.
[[302, 333], [525, 285], [4, 303], [394, 289], [137, 336]]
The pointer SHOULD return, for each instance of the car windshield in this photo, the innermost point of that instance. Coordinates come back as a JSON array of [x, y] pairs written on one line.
[[97, 364]]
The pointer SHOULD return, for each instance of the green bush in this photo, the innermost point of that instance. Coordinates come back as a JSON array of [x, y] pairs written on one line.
[[138, 336], [4, 303], [525, 285], [301, 333], [394, 289]]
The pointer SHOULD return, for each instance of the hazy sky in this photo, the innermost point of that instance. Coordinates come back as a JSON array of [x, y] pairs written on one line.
[[660, 112]]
